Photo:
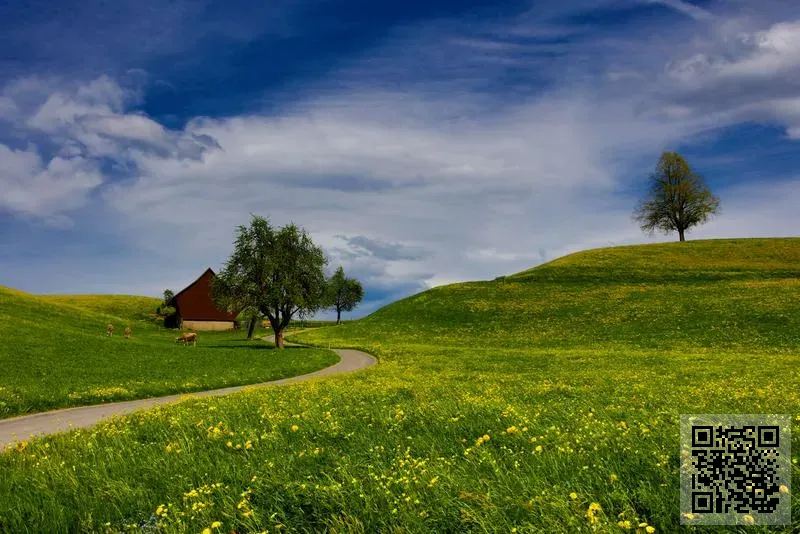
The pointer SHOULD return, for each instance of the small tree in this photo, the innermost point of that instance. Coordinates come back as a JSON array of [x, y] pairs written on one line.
[[168, 294], [251, 317], [678, 198], [164, 309], [277, 272], [343, 293]]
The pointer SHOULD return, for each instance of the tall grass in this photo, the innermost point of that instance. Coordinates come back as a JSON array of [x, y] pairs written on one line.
[[467, 425], [54, 353]]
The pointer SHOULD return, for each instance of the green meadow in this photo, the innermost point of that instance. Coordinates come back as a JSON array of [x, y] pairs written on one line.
[[54, 353], [546, 401]]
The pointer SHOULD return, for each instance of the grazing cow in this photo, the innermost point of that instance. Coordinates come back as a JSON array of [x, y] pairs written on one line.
[[128, 332], [189, 337], [109, 330]]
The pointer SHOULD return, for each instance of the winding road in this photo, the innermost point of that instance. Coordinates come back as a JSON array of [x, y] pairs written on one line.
[[40, 424]]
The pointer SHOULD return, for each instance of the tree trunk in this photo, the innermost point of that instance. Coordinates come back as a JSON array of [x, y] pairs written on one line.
[[278, 339], [681, 234], [251, 328], [338, 315]]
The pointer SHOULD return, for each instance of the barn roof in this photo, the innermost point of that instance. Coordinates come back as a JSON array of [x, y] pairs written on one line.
[[194, 302], [182, 291]]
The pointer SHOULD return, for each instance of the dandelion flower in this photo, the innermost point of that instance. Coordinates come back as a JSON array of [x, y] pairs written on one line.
[[295, 428], [216, 524], [649, 529], [573, 495], [593, 512]]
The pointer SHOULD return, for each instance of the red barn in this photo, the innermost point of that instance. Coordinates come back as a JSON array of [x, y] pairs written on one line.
[[195, 309]]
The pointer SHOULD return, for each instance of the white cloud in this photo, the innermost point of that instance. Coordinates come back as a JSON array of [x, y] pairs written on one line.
[[416, 186], [33, 187]]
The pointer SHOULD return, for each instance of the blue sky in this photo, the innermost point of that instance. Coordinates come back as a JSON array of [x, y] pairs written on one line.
[[420, 143]]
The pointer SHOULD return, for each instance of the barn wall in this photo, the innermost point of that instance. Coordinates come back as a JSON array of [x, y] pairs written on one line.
[[207, 325], [194, 303]]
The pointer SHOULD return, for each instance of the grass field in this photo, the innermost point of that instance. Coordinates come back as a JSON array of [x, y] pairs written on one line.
[[54, 353], [544, 402]]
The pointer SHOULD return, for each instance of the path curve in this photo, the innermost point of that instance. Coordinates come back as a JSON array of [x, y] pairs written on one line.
[[44, 423]]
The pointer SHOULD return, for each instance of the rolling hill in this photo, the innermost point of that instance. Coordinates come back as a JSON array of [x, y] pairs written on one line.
[[717, 294], [546, 401], [54, 353]]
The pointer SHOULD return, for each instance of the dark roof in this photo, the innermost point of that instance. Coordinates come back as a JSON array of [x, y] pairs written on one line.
[[194, 302]]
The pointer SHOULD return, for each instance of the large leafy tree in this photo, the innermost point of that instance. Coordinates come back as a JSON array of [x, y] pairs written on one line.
[[277, 273], [344, 293], [678, 198]]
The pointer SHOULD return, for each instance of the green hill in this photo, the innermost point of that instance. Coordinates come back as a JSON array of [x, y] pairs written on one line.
[[721, 294], [548, 401], [54, 353]]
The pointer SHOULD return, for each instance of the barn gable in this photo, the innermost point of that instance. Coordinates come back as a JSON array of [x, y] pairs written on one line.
[[195, 307]]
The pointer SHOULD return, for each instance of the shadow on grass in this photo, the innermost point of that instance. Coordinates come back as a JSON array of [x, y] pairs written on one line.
[[254, 346]]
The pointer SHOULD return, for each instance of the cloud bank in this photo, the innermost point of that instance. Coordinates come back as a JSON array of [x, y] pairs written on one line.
[[430, 179]]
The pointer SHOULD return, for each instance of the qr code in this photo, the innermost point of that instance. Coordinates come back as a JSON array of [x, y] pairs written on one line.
[[735, 469]]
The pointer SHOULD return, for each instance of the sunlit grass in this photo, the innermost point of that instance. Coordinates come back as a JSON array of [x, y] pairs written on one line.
[[54, 353], [471, 422]]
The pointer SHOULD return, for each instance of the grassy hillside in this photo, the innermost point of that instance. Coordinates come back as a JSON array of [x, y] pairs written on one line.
[[123, 307], [727, 294], [546, 402], [54, 353]]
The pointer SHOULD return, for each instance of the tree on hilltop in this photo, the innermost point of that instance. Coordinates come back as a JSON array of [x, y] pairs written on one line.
[[678, 198], [277, 273], [343, 293]]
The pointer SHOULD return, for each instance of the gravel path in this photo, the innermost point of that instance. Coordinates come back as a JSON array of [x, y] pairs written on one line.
[[20, 428]]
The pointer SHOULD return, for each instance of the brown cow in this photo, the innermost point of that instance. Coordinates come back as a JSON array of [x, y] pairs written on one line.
[[109, 329], [189, 337], [128, 332]]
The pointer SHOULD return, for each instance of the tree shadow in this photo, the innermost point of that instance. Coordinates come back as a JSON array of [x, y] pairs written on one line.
[[253, 346]]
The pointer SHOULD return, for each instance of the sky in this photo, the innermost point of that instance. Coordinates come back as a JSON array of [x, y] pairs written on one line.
[[419, 143]]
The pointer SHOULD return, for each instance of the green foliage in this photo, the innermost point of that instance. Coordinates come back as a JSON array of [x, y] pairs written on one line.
[[168, 294], [54, 353], [572, 400], [279, 273], [342, 293], [678, 198]]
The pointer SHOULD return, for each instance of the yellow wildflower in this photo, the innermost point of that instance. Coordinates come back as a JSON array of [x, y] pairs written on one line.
[[295, 428], [649, 529], [216, 524], [592, 513], [573, 495]]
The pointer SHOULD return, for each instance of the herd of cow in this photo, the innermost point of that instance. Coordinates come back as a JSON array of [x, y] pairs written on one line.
[[188, 337]]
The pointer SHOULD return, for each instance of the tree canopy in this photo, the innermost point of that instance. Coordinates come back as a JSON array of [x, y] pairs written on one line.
[[343, 293], [678, 198], [275, 272]]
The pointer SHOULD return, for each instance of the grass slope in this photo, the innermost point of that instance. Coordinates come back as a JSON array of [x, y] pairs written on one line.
[[515, 404], [54, 353]]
